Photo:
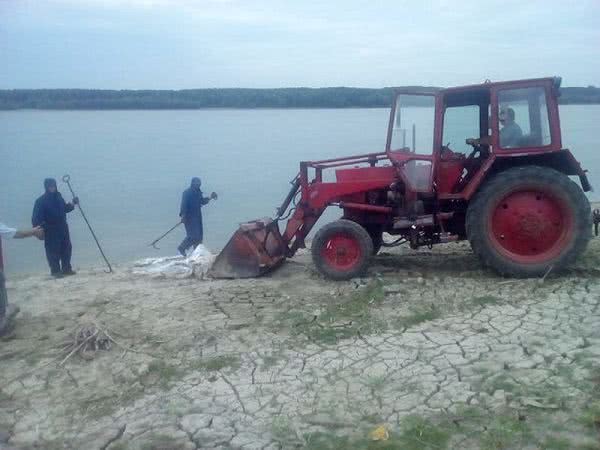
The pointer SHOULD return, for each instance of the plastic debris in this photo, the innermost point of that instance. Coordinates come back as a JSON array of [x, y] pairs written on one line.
[[196, 264], [379, 434]]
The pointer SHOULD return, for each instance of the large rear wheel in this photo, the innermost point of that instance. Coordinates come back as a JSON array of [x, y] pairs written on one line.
[[528, 220], [341, 250]]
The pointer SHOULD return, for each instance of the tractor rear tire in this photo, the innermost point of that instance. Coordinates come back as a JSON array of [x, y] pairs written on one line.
[[529, 220], [342, 249]]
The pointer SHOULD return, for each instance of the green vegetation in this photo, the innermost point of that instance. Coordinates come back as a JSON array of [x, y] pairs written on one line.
[[553, 443], [216, 363], [338, 97], [341, 318], [591, 416], [334, 97], [505, 432], [162, 372], [422, 434], [417, 317], [158, 441], [353, 315], [486, 300]]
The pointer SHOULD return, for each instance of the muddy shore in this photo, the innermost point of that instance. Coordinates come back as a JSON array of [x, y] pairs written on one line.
[[438, 350]]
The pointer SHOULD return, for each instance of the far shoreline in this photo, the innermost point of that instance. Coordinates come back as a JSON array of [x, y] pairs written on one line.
[[233, 98], [230, 108]]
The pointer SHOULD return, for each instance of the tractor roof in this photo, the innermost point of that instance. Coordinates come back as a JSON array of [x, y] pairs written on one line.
[[556, 81]]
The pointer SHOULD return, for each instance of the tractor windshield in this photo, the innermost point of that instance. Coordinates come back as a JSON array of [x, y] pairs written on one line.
[[413, 124]]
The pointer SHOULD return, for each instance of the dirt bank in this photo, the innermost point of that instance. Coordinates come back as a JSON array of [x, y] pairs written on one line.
[[443, 353]]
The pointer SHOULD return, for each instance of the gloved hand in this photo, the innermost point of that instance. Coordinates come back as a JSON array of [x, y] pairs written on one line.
[[213, 196], [76, 200]]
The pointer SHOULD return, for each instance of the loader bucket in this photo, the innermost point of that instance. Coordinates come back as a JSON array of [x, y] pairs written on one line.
[[254, 249]]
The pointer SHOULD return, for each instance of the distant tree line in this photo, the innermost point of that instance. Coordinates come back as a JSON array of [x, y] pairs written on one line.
[[335, 97]]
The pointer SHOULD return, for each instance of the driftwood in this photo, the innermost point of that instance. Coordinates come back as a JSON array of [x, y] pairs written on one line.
[[85, 341]]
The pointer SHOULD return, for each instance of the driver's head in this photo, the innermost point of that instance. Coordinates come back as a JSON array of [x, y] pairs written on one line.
[[506, 115]]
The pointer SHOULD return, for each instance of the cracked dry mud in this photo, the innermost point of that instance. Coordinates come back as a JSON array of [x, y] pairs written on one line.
[[442, 352]]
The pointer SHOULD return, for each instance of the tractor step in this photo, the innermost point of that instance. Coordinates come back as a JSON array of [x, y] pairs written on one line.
[[426, 220], [420, 221]]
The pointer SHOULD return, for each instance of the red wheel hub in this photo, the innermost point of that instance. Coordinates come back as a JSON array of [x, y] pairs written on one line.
[[341, 252], [530, 226]]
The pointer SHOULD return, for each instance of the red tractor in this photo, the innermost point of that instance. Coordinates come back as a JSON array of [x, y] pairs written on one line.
[[482, 162]]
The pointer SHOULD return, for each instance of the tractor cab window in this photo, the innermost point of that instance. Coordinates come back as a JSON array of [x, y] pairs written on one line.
[[413, 124], [523, 118], [460, 124]]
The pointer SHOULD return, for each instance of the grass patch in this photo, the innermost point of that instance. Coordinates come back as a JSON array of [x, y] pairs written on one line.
[[417, 317], [466, 427], [341, 318], [160, 442], [216, 363], [554, 443], [422, 434], [417, 434], [371, 418], [376, 383], [505, 432], [97, 407], [118, 446], [485, 300], [269, 362], [591, 416], [161, 371], [282, 431]]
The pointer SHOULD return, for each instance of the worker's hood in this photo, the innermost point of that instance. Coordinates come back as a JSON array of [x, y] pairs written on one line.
[[48, 183], [196, 183]]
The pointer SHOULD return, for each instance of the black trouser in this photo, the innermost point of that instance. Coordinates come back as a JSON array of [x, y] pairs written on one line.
[[3, 297], [58, 252], [193, 229], [188, 242]]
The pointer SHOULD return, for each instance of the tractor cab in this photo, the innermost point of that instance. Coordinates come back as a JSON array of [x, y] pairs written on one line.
[[441, 139]]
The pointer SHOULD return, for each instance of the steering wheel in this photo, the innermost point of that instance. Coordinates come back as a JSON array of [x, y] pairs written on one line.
[[476, 144], [446, 149]]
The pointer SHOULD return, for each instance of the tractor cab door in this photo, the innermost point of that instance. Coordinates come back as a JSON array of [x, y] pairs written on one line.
[[410, 139], [465, 140]]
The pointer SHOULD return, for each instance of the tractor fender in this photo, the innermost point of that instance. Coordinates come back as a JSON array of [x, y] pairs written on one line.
[[562, 161]]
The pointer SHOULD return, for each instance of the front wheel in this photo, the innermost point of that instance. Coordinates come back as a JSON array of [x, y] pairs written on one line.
[[528, 220], [341, 250]]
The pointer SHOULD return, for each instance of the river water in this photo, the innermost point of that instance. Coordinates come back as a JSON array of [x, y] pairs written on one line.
[[130, 167]]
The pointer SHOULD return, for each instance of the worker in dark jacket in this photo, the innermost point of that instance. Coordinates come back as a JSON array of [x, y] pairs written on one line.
[[50, 212], [190, 213]]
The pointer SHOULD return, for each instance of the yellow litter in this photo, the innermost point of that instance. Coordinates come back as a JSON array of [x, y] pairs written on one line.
[[379, 434]]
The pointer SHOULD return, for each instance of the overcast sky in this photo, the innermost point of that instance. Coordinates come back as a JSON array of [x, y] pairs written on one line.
[[180, 44]]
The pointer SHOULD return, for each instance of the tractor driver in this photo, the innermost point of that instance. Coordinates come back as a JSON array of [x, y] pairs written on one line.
[[511, 133]]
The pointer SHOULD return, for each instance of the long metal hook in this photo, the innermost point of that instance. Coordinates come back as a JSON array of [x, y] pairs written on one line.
[[155, 241], [67, 179]]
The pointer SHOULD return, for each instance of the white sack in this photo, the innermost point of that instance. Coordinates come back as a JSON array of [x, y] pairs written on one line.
[[198, 263]]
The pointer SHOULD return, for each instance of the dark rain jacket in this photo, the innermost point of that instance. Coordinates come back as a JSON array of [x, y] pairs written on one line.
[[50, 212], [192, 201]]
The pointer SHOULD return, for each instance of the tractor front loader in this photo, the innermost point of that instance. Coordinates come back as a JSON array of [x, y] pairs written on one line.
[[487, 165]]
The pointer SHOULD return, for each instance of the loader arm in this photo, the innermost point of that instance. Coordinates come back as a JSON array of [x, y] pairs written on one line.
[[257, 246]]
